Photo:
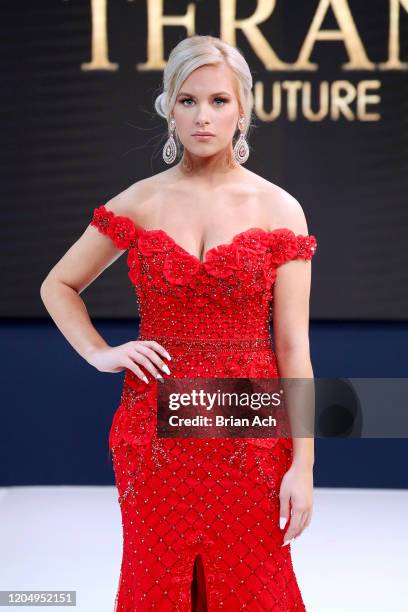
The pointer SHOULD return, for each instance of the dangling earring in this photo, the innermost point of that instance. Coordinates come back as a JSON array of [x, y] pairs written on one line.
[[241, 149], [170, 147]]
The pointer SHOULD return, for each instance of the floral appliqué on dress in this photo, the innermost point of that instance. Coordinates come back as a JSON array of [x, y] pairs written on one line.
[[214, 497]]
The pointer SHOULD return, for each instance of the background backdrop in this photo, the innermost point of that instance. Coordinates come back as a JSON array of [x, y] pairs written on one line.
[[79, 80]]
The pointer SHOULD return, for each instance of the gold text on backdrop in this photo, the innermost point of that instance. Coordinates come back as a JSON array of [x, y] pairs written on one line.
[[341, 99]]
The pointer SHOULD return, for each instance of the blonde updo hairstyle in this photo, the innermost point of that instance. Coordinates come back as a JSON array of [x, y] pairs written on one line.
[[193, 52]]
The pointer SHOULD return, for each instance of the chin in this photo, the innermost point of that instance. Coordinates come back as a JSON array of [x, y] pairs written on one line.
[[203, 151]]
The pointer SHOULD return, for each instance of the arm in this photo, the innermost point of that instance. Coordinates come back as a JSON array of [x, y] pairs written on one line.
[[60, 291], [291, 339], [86, 259], [291, 335]]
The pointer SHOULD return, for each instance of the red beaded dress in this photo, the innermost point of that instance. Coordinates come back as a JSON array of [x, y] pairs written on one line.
[[200, 516]]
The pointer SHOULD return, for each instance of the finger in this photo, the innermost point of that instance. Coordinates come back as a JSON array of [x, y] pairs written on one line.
[[308, 519], [144, 361], [282, 521], [130, 365], [153, 356], [158, 347], [284, 511], [293, 525], [302, 523]]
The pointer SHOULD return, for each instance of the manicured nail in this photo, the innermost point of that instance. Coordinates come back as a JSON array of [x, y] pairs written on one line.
[[165, 369], [288, 542], [160, 378], [145, 379], [168, 356], [282, 522]]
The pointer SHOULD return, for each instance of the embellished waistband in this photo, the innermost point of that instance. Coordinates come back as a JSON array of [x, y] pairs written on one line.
[[218, 344]]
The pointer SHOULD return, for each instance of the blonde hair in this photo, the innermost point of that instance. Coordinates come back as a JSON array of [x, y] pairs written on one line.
[[193, 52]]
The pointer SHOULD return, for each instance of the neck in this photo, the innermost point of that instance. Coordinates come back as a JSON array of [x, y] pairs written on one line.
[[212, 167]]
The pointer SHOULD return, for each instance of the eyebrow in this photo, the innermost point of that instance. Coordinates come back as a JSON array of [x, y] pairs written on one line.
[[218, 93]]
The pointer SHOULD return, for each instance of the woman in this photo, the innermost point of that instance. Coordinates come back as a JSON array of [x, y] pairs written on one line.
[[210, 245]]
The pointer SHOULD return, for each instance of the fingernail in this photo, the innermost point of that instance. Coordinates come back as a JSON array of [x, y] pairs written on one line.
[[165, 369], [282, 522], [145, 379], [288, 542], [160, 378], [168, 356]]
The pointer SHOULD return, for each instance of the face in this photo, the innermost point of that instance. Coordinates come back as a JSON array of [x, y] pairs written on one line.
[[207, 102]]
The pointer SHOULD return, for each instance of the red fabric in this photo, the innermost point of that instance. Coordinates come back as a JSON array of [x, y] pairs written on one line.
[[216, 498]]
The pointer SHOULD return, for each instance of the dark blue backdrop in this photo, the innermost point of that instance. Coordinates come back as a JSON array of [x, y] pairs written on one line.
[[57, 409]]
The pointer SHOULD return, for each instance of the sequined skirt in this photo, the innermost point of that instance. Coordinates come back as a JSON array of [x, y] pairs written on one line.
[[213, 498]]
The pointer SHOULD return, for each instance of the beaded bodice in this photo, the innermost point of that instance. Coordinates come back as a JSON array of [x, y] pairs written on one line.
[[228, 295], [216, 498]]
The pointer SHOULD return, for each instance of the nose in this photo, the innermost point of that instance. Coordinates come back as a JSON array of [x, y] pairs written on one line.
[[201, 117], [202, 122]]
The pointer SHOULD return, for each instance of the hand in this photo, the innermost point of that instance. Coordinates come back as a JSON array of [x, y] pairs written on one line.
[[147, 353], [297, 489]]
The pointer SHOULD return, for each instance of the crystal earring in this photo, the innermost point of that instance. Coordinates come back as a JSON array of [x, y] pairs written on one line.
[[241, 149], [170, 147]]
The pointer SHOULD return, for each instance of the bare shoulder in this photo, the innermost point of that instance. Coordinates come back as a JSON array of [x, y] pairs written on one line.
[[134, 201], [281, 208], [288, 211]]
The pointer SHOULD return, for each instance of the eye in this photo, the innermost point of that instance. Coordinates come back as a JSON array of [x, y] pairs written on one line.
[[185, 100], [221, 100]]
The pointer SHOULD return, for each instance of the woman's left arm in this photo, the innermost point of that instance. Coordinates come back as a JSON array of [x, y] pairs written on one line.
[[291, 295]]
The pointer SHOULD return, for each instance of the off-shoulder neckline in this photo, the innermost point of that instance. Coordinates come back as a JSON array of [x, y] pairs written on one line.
[[155, 231]]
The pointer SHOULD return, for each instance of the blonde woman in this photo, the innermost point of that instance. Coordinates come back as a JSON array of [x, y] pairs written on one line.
[[209, 246]]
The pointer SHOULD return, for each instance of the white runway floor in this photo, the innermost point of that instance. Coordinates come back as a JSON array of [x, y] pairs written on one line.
[[353, 555]]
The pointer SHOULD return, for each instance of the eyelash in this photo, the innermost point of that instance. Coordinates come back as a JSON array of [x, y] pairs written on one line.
[[219, 98]]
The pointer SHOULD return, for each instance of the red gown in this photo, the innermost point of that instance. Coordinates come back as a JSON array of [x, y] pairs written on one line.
[[200, 517]]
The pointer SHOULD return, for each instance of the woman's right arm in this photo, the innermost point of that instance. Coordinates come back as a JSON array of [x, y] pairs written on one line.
[[60, 292]]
